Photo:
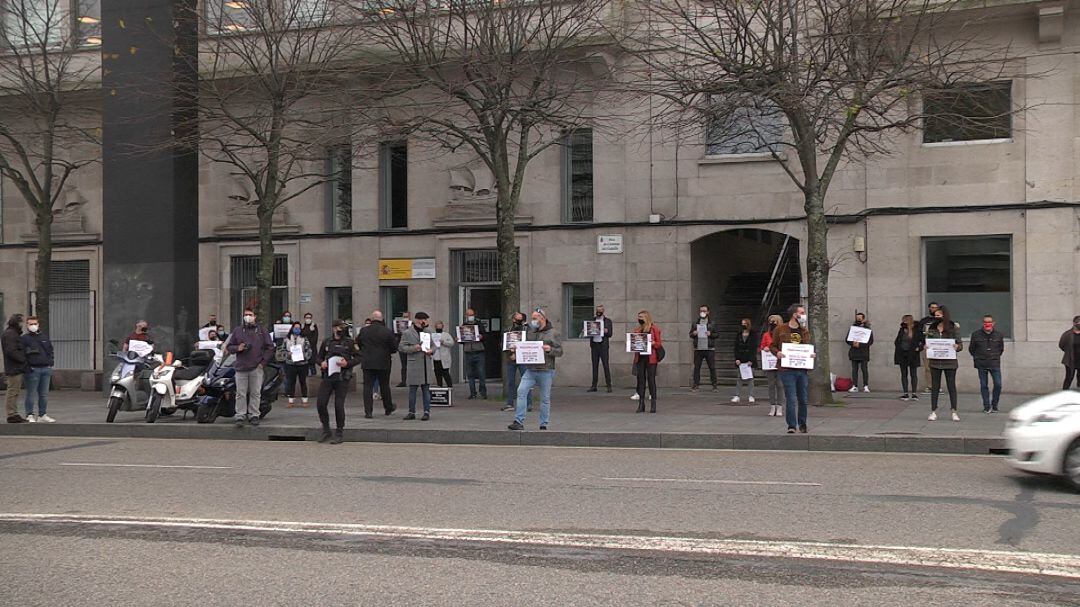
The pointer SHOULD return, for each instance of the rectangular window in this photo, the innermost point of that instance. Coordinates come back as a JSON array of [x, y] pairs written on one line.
[[229, 16], [339, 189], [972, 277], [339, 306], [578, 176], [394, 185], [394, 301], [243, 292], [32, 23], [88, 22], [578, 306], [746, 130], [968, 113]]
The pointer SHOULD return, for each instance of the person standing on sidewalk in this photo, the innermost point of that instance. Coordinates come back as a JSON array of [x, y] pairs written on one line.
[[377, 345], [1069, 344], [401, 356], [986, 347], [340, 349], [600, 348], [646, 365], [39, 363], [418, 360], [744, 351], [254, 349], [443, 358], [511, 372], [859, 355], [475, 360], [924, 327], [543, 374], [906, 348], [14, 367], [796, 381], [772, 376], [944, 328], [310, 332], [296, 371], [704, 348]]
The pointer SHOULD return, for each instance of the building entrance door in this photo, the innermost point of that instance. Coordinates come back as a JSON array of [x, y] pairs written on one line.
[[486, 301]]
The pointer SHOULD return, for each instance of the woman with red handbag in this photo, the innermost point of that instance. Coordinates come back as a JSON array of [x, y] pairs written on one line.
[[646, 365]]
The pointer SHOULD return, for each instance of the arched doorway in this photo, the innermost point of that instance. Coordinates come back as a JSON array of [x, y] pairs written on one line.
[[745, 273]]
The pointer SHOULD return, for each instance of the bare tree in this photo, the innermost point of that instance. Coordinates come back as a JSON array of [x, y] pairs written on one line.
[[48, 117], [506, 79], [271, 72], [828, 81]]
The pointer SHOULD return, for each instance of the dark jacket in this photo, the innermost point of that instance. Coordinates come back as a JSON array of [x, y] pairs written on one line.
[[258, 351], [924, 324], [1066, 344], [14, 353], [608, 331], [39, 350], [908, 356], [341, 346], [986, 349], [550, 337], [746, 348], [952, 333], [863, 351], [377, 342], [311, 334], [712, 332]]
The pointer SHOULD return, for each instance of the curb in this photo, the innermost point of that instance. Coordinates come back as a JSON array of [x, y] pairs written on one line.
[[633, 440]]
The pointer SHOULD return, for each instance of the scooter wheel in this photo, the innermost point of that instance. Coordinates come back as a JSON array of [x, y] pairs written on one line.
[[168, 411], [206, 414], [153, 409], [114, 407]]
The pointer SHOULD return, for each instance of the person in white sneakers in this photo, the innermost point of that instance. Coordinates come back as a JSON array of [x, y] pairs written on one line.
[[296, 367], [859, 355], [39, 361], [944, 328], [745, 354]]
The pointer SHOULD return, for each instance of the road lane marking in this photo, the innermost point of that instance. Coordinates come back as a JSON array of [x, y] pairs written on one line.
[[107, 465], [96, 443], [706, 480], [998, 561]]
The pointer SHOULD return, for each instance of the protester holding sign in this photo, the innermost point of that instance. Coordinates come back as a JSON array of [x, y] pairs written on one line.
[[297, 361], [141, 333], [908, 344], [796, 380], [703, 334], [860, 338], [443, 355], [941, 361], [418, 348], [471, 339], [745, 340], [338, 354], [600, 348], [646, 363], [768, 365], [511, 372], [538, 374]]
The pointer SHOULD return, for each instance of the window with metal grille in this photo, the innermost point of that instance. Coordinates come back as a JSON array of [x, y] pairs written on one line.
[[478, 266], [578, 176], [69, 276], [244, 270]]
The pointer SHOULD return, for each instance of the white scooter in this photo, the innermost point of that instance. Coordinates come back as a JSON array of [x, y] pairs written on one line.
[[174, 385], [129, 383]]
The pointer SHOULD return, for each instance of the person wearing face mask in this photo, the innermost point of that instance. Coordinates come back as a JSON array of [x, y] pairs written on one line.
[[39, 362], [646, 365], [401, 357], [600, 348], [924, 326], [986, 347], [907, 346], [543, 374], [443, 358], [310, 331], [341, 347], [772, 376], [859, 355], [377, 345], [474, 357], [796, 381], [14, 367], [1069, 344], [511, 372], [418, 359], [744, 353], [943, 328], [140, 333], [704, 348], [296, 371], [254, 349]]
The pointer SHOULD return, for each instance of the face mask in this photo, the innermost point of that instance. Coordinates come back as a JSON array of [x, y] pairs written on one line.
[[535, 324], [143, 329], [745, 326], [296, 331], [32, 328], [859, 323], [470, 318], [249, 319], [802, 319], [641, 321], [988, 326], [703, 314], [285, 319], [1076, 326], [439, 329], [307, 321], [599, 313], [772, 323]]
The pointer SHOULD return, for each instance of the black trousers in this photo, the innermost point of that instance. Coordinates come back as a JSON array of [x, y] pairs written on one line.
[[295, 374], [646, 377], [709, 356], [338, 388], [443, 373], [404, 366], [935, 387], [600, 354], [913, 372], [383, 375], [1069, 373], [860, 365]]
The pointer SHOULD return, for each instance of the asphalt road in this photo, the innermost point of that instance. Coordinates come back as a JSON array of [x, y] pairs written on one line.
[[531, 526]]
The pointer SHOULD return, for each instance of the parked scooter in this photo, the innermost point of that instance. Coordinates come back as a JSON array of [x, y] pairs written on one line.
[[220, 390], [129, 384], [175, 384]]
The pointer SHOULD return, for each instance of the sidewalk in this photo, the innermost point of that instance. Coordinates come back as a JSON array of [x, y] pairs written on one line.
[[864, 422]]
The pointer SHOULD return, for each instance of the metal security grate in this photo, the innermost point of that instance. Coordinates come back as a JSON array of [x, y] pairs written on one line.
[[478, 266], [245, 270], [69, 276]]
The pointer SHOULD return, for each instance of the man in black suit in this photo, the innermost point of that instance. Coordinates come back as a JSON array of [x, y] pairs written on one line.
[[377, 343], [600, 345]]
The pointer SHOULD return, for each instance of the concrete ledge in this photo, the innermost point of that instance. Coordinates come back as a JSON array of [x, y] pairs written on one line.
[[643, 440]]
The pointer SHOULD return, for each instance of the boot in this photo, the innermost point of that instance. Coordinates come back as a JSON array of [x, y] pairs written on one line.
[[652, 406], [325, 436], [641, 406], [337, 437]]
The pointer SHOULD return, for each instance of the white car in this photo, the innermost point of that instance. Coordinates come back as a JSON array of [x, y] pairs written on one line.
[[1043, 436]]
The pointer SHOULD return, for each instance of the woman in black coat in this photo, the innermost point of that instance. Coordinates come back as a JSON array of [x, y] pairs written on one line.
[[908, 343]]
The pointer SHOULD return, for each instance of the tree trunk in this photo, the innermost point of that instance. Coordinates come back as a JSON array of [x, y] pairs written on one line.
[[509, 275], [817, 288], [264, 279], [43, 267]]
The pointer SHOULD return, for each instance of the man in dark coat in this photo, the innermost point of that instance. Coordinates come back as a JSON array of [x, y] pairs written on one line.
[[600, 348], [986, 346], [377, 344], [14, 367]]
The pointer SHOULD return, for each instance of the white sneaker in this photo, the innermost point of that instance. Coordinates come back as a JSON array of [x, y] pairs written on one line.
[[303, 400], [292, 401], [635, 396], [853, 389], [31, 418], [866, 388], [933, 416], [735, 399], [955, 417], [751, 400], [47, 419], [377, 396]]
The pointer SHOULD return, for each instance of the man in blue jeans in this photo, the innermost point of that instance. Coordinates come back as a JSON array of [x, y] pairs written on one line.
[[511, 372], [796, 381], [474, 356], [539, 374], [986, 347], [39, 362]]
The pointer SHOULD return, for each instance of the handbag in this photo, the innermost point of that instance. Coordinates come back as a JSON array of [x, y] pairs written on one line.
[[660, 354]]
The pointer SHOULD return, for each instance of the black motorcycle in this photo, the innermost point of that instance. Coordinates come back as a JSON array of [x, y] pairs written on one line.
[[219, 399]]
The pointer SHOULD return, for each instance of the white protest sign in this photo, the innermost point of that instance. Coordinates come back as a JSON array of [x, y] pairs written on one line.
[[798, 356], [746, 371], [140, 347], [425, 341], [859, 335], [639, 343], [768, 361], [281, 330], [296, 353], [941, 349], [529, 353]]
